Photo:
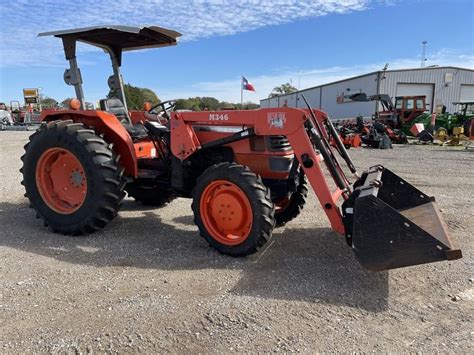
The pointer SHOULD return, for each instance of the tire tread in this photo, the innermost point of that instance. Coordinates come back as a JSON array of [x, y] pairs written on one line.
[[109, 201], [261, 199]]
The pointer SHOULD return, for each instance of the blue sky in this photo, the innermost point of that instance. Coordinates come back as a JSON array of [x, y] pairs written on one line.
[[270, 42]]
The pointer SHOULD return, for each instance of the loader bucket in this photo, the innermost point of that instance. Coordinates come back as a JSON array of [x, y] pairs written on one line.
[[397, 225]]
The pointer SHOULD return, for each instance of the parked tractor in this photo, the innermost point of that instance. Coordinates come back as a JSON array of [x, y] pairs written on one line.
[[394, 120], [246, 172], [445, 125], [396, 116]]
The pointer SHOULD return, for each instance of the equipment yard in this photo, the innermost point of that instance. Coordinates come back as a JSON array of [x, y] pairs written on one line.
[[149, 283]]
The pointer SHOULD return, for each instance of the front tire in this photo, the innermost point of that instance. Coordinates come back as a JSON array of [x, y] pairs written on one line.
[[289, 208], [72, 178], [233, 209]]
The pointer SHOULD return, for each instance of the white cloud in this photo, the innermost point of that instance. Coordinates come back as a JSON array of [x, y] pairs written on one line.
[[229, 89], [22, 20]]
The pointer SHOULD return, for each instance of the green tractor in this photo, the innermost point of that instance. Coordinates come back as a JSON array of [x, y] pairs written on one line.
[[446, 124], [462, 118]]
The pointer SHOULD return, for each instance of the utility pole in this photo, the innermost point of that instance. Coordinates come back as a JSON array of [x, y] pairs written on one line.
[[423, 54]]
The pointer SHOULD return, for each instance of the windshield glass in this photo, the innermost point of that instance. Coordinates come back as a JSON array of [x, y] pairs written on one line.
[[398, 103], [469, 111]]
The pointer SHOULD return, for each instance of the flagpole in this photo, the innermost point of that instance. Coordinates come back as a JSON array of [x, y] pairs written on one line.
[[241, 92]]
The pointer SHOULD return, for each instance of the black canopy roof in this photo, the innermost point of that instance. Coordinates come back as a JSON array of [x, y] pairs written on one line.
[[115, 39], [124, 38]]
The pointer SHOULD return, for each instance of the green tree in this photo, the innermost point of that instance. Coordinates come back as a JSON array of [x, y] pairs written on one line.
[[198, 104], [65, 102], [247, 106], [211, 104], [149, 96], [181, 104], [282, 89], [228, 105], [48, 102]]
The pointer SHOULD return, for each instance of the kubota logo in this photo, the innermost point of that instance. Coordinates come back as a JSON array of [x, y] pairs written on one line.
[[276, 119]]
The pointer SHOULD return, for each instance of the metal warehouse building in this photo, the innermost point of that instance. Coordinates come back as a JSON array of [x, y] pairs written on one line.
[[440, 85]]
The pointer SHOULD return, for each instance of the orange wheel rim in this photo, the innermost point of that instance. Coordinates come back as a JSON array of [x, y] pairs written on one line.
[[61, 180], [226, 212]]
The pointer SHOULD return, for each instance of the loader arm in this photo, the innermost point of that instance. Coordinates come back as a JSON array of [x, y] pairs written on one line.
[[387, 221]]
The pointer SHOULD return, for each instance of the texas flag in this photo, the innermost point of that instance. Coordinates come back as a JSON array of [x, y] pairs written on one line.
[[246, 85]]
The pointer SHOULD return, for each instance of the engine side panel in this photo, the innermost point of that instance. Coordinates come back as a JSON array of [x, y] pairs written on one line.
[[256, 153]]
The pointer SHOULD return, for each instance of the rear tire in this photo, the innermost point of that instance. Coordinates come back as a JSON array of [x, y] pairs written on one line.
[[294, 206], [233, 209], [91, 169]]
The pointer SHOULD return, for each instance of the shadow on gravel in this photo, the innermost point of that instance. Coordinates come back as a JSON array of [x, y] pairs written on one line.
[[187, 219], [312, 265], [130, 205]]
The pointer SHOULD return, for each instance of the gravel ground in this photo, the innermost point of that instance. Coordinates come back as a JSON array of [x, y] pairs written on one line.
[[149, 283]]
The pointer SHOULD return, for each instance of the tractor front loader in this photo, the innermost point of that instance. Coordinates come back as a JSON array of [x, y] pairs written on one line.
[[246, 172]]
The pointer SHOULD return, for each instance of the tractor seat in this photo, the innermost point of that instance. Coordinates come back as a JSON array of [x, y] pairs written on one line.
[[116, 107]]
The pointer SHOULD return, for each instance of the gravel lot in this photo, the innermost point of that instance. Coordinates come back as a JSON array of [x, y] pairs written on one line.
[[149, 283]]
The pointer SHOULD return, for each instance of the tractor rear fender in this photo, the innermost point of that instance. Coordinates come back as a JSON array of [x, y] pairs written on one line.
[[108, 125]]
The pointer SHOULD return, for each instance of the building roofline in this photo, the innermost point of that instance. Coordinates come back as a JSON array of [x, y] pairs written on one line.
[[368, 74], [431, 67]]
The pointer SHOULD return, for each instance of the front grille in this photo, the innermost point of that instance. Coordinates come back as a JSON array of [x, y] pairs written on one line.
[[278, 143]]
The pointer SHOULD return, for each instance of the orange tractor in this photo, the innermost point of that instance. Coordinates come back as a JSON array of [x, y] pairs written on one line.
[[246, 172]]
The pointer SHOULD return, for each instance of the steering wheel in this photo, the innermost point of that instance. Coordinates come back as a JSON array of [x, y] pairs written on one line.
[[163, 109]]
